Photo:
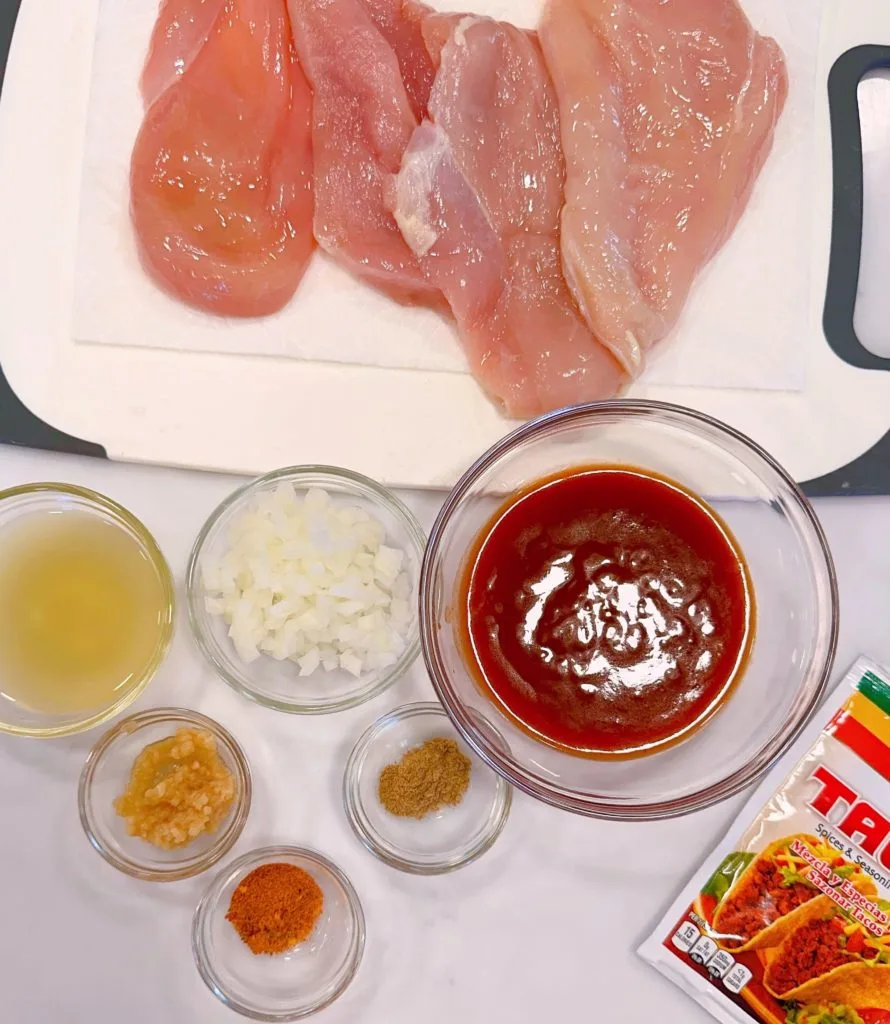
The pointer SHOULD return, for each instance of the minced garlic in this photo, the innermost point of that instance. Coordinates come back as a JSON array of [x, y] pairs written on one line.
[[179, 787]]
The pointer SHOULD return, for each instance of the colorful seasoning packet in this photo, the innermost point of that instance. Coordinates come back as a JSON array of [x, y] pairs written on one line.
[[788, 922]]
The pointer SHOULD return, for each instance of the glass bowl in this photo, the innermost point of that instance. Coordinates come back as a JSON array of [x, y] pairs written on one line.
[[18, 503], [790, 569], [290, 985], [106, 773], [444, 840], [277, 684]]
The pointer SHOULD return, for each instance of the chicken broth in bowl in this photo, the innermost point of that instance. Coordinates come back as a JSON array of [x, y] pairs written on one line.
[[607, 611]]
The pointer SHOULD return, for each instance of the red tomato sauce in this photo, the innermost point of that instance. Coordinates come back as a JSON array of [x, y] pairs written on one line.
[[608, 611]]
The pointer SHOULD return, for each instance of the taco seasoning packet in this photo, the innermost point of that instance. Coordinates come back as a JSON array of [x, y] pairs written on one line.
[[788, 922]]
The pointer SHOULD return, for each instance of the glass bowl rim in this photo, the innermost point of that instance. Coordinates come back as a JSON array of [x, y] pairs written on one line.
[[149, 545], [355, 483], [768, 753], [224, 840], [354, 806], [210, 900]]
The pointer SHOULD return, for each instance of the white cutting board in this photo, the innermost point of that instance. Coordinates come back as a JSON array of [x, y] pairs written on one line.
[[248, 414], [336, 318]]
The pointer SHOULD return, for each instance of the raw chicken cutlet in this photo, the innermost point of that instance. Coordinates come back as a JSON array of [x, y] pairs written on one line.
[[668, 110], [370, 76], [478, 199], [181, 29], [401, 25], [221, 173]]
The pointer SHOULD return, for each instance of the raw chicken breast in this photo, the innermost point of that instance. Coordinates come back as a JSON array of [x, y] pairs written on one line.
[[478, 200], [668, 111], [221, 173], [180, 31], [363, 118], [401, 25]]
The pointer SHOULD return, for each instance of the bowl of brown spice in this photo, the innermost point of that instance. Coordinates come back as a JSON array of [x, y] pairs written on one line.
[[279, 934], [417, 797]]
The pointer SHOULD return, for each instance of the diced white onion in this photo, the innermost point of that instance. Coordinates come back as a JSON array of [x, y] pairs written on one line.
[[312, 581]]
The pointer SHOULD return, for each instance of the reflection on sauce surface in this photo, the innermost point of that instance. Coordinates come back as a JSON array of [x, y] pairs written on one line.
[[609, 611]]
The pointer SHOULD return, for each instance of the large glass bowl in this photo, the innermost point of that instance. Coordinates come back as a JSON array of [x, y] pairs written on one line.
[[790, 568], [278, 684], [18, 503]]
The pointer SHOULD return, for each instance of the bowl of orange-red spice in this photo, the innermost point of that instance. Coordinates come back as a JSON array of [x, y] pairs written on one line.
[[279, 934]]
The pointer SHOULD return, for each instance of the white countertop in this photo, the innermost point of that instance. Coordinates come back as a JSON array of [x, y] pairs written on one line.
[[541, 929]]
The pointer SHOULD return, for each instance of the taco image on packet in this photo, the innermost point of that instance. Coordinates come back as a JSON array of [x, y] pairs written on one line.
[[776, 892], [832, 958]]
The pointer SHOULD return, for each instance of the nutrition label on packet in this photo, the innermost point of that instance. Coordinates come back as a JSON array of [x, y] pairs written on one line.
[[789, 921], [704, 951]]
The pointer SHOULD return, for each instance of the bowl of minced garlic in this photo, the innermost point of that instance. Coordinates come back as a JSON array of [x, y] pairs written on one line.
[[165, 794], [279, 933], [417, 798]]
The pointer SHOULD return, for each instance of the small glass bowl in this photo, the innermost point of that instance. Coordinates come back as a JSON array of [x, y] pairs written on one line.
[[789, 564], [290, 985], [443, 841], [106, 773], [277, 684], [43, 498]]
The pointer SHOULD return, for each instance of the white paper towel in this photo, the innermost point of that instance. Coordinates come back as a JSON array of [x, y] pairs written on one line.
[[742, 328]]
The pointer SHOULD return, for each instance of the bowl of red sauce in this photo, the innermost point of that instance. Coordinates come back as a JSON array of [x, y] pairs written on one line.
[[637, 600]]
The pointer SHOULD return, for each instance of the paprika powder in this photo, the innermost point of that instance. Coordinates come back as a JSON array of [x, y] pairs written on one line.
[[275, 908]]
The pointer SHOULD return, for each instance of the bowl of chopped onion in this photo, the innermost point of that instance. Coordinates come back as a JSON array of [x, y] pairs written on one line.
[[302, 589]]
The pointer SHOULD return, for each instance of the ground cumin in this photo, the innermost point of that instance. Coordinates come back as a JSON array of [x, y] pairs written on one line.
[[433, 775], [275, 907]]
